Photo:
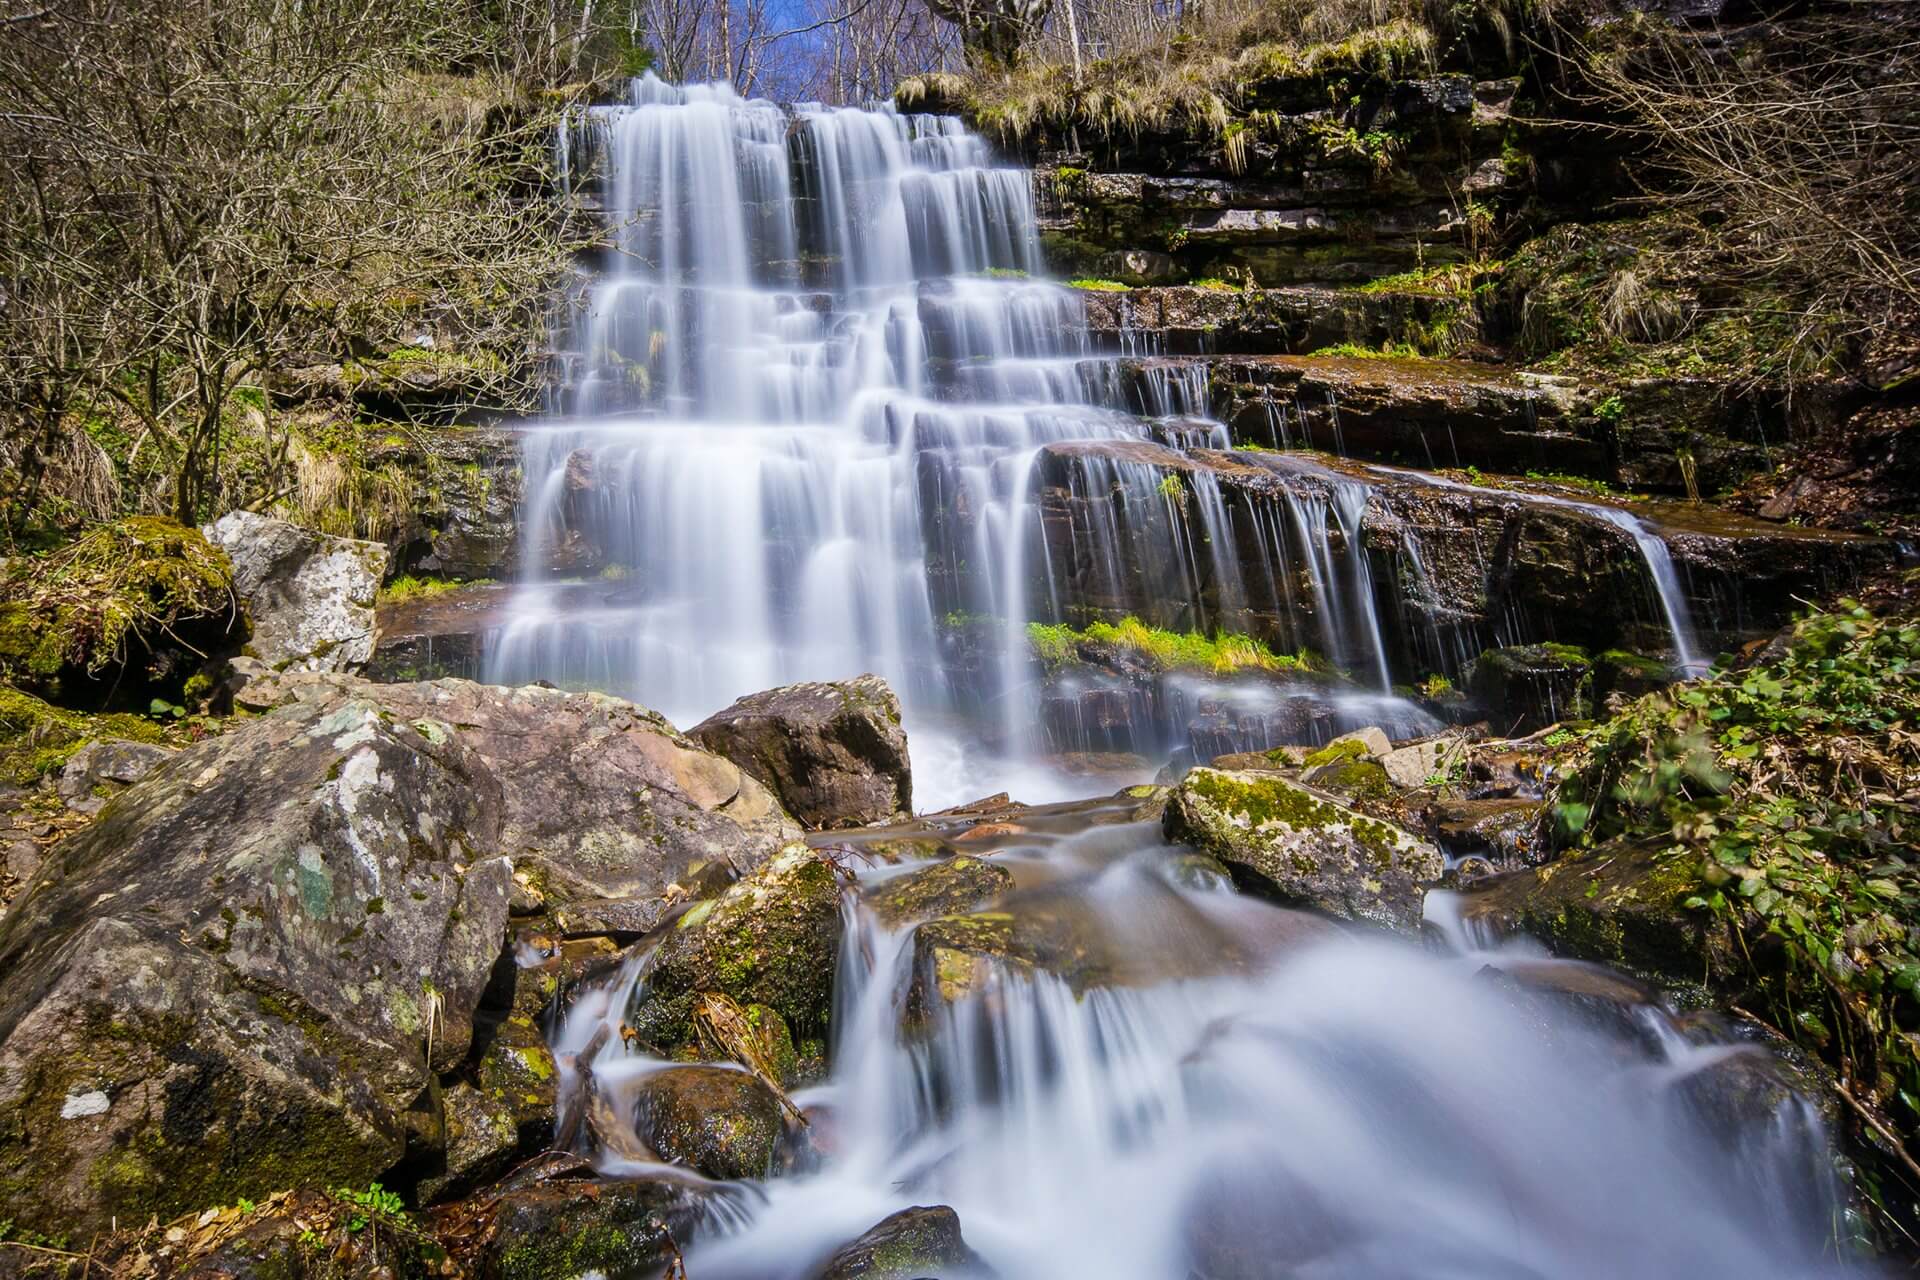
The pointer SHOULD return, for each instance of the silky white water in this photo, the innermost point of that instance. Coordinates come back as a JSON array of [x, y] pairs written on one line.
[[1248, 1092], [812, 388]]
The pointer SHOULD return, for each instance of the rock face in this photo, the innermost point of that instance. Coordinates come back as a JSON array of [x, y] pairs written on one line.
[[722, 1122], [916, 1242], [1302, 847], [309, 596], [281, 953], [772, 939], [835, 754], [603, 799], [248, 969]]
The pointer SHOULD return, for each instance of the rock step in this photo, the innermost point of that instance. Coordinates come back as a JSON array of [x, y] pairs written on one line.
[[1290, 320]]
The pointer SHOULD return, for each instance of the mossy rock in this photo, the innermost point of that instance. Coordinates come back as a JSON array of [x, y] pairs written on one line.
[[921, 1241], [773, 938], [566, 1229], [1355, 780], [1525, 687], [720, 1121], [120, 587], [1302, 847], [1620, 904], [37, 739], [947, 888]]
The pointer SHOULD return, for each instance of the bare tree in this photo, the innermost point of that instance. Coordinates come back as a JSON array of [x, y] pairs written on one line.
[[209, 185]]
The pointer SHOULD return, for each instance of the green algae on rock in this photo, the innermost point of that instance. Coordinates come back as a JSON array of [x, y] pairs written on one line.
[[958, 884], [921, 1241], [1302, 847], [773, 938]]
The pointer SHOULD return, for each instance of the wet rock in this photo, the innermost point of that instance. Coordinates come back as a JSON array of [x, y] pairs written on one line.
[[602, 799], [717, 1120], [1620, 905], [565, 1229], [958, 885], [1526, 687], [1505, 831], [500, 1105], [309, 596], [1557, 993], [1355, 781], [103, 769], [772, 939], [249, 970], [835, 754], [919, 1242], [1303, 847]]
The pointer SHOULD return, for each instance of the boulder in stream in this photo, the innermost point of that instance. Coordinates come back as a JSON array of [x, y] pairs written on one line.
[[835, 754], [957, 884], [1302, 847], [924, 1241], [309, 596], [771, 939], [720, 1121]]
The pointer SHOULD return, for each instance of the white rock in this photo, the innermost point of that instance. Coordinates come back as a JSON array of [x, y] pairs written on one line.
[[309, 596], [92, 1103]]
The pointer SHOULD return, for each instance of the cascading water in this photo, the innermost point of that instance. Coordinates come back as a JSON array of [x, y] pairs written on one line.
[[811, 393], [1214, 1087]]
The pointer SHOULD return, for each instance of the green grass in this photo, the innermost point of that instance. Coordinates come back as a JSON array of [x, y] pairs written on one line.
[[408, 587], [1355, 351], [1058, 644], [1100, 286]]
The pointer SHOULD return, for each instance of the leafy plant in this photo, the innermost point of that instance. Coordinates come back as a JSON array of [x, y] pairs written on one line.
[[371, 1205], [1787, 790]]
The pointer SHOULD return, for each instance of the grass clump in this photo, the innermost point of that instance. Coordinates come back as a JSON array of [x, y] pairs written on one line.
[[409, 587], [1099, 286], [1783, 796], [1057, 644], [1356, 351], [129, 580]]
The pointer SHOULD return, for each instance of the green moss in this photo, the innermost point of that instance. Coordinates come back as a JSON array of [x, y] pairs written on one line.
[[36, 739], [1335, 752], [1056, 645], [1268, 801], [79, 606], [409, 587], [1099, 286]]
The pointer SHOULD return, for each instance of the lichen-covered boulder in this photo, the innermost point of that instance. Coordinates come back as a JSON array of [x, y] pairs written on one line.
[[309, 596], [248, 969], [946, 888], [720, 1121], [922, 1241], [1302, 847], [835, 753], [603, 800], [771, 939]]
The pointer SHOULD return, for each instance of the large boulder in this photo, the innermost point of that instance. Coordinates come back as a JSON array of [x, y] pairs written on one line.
[[278, 961], [922, 1241], [1302, 847], [602, 799], [309, 596], [565, 1227], [248, 970], [772, 939], [835, 753]]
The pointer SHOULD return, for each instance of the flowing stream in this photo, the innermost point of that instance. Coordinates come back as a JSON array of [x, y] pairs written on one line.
[[1236, 1090]]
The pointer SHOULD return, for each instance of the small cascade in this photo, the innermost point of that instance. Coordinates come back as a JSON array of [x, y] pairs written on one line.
[[1188, 1079], [1664, 578]]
